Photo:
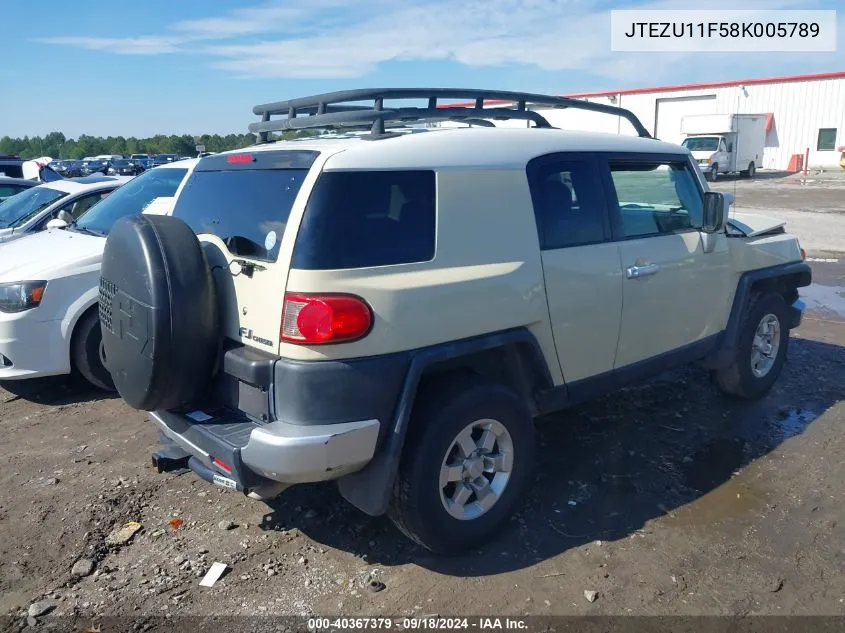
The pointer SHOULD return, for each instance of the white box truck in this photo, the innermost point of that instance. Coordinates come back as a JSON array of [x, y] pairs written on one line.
[[725, 143]]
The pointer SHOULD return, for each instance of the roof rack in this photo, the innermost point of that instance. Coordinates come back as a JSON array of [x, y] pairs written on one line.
[[334, 109]]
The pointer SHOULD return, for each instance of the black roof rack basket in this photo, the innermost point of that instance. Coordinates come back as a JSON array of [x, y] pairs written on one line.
[[338, 109]]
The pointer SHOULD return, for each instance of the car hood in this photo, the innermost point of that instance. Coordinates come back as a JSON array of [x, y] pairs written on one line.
[[702, 154], [49, 254], [752, 224]]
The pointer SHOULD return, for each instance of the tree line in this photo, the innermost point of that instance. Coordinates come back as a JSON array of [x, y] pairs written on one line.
[[57, 145]]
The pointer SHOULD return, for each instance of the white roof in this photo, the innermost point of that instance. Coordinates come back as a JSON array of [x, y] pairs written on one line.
[[476, 147], [184, 163], [74, 186]]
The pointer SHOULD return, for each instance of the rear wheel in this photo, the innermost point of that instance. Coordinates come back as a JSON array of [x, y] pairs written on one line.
[[468, 459], [761, 349], [89, 353], [749, 173]]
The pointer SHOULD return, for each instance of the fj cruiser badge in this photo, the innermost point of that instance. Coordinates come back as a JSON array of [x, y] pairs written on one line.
[[247, 333]]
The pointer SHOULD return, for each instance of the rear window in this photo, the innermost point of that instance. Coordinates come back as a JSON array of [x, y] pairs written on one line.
[[358, 219], [246, 208]]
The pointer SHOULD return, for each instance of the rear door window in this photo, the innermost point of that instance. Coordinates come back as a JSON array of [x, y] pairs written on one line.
[[359, 219]]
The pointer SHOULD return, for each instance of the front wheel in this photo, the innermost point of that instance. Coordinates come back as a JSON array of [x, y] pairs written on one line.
[[761, 349], [468, 459], [89, 356]]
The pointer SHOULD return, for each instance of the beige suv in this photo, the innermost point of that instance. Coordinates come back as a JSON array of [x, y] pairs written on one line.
[[391, 308]]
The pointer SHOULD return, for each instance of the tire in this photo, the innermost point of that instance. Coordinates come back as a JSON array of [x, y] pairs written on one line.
[[739, 379], [87, 352], [159, 313], [713, 173], [749, 173], [418, 506]]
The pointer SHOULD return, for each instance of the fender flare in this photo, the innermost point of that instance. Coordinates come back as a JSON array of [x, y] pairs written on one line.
[[798, 274], [369, 489]]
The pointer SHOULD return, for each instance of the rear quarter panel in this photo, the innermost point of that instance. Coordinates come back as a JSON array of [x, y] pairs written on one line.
[[486, 275]]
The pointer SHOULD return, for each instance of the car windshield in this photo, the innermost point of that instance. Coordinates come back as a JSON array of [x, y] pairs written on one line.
[[702, 144], [121, 163], [22, 207], [263, 199], [131, 199]]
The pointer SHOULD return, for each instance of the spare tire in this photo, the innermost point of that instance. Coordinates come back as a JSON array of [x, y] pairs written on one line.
[[158, 313]]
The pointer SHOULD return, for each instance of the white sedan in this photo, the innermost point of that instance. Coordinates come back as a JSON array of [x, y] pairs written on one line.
[[31, 210], [49, 284]]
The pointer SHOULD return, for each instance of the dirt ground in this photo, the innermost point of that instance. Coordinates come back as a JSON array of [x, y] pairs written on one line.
[[665, 498]]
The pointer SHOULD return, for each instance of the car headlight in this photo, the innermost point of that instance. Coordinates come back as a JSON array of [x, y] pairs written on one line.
[[20, 296], [705, 161]]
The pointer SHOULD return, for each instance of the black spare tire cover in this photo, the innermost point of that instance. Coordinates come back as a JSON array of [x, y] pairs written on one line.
[[158, 313]]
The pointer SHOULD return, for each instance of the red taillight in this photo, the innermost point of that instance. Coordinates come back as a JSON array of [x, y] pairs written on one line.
[[240, 158], [315, 319]]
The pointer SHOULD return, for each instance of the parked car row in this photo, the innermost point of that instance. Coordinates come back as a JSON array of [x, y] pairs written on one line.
[[55, 233]]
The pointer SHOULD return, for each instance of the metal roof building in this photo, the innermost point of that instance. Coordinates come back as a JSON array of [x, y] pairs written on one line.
[[803, 112]]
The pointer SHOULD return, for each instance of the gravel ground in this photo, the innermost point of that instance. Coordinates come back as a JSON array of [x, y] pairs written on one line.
[[664, 499]]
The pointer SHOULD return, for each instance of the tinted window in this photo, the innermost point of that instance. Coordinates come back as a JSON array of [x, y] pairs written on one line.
[[656, 198], [26, 205], [361, 219], [12, 170], [246, 208], [827, 139], [132, 198], [569, 204]]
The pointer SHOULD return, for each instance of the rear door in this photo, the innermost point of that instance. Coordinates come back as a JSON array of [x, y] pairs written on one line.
[[241, 205], [581, 267]]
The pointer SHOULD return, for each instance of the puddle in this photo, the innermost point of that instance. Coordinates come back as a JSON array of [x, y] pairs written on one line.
[[734, 499], [792, 422], [825, 299]]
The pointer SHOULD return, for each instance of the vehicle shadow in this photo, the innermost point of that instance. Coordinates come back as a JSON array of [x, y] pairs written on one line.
[[54, 390], [604, 469]]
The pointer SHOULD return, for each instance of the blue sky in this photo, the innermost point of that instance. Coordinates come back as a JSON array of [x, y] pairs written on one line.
[[184, 67]]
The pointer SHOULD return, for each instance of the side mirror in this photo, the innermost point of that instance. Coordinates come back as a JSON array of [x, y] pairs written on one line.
[[56, 223], [730, 147], [714, 212]]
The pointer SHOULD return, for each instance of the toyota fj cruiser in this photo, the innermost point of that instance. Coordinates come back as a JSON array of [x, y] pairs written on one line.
[[391, 309]]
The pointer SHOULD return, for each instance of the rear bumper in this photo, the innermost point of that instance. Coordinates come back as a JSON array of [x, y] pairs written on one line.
[[249, 454]]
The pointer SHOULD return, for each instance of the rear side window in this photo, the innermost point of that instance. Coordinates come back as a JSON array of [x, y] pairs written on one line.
[[246, 208], [359, 219]]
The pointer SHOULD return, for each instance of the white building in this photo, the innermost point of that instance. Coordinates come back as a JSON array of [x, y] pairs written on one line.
[[804, 112]]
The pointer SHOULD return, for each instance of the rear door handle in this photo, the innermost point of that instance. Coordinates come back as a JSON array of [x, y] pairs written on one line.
[[635, 272]]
